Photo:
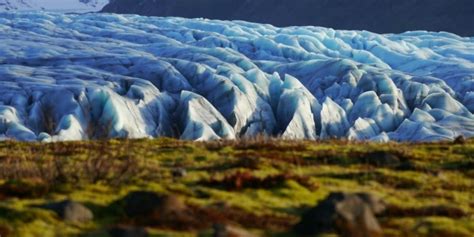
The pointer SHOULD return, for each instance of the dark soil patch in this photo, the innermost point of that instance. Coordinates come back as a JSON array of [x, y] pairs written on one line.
[[14, 215], [277, 157], [390, 181], [463, 166], [233, 215], [446, 211], [169, 212], [20, 189], [127, 231], [242, 180], [383, 159], [271, 146], [4, 231], [241, 162]]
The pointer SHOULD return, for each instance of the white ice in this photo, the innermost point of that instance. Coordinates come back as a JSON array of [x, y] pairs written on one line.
[[88, 76]]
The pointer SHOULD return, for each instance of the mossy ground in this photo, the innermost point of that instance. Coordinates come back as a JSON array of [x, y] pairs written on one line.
[[265, 185]]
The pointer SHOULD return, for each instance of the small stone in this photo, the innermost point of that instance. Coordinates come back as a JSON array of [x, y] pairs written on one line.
[[460, 140], [70, 211], [179, 172]]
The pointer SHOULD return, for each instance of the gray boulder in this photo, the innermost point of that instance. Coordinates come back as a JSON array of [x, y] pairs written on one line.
[[349, 214], [70, 211]]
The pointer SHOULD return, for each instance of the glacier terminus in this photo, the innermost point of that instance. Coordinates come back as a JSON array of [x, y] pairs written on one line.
[[90, 76]]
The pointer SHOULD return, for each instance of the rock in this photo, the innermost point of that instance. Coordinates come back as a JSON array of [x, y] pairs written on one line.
[[223, 230], [143, 203], [165, 211], [23, 189], [179, 172], [128, 231], [376, 204], [70, 211], [356, 219], [460, 140], [348, 214], [382, 159]]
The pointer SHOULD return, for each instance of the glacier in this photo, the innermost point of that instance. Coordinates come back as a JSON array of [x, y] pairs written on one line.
[[93, 76]]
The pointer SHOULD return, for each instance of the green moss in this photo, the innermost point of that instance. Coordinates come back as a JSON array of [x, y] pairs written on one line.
[[98, 173]]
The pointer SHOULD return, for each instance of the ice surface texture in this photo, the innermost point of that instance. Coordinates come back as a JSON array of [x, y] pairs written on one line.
[[72, 77]]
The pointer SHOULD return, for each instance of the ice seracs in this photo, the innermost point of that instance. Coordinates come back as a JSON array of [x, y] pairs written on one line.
[[89, 76], [199, 120], [297, 111], [363, 129], [334, 123]]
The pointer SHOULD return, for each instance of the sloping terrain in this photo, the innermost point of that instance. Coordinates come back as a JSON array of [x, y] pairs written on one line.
[[261, 186], [382, 16], [73, 77]]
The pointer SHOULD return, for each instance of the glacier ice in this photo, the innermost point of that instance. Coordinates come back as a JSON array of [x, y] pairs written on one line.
[[334, 122], [363, 129], [88, 76], [199, 120], [297, 110]]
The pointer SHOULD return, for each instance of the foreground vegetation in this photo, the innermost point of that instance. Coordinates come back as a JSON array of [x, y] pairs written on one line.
[[262, 186]]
